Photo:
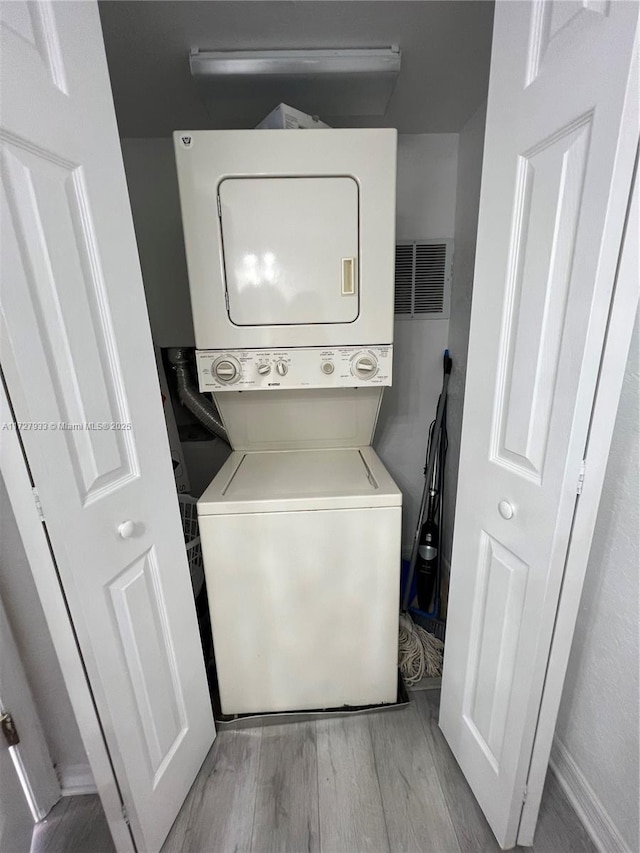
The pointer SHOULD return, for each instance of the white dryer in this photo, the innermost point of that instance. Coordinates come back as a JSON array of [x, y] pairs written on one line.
[[290, 241], [290, 236]]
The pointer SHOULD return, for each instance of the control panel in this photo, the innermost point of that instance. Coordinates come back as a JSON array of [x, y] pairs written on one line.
[[313, 367]]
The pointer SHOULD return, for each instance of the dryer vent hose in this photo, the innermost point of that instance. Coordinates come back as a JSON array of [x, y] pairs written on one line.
[[204, 410]]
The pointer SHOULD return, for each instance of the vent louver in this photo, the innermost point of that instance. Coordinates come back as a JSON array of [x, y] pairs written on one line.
[[423, 278], [404, 279]]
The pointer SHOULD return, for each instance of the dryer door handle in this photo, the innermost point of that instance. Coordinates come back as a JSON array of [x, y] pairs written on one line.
[[348, 276]]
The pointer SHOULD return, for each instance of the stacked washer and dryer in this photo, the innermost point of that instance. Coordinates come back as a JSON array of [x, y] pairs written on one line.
[[290, 241]]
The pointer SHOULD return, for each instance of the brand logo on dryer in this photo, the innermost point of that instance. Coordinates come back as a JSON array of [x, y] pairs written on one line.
[[186, 141]]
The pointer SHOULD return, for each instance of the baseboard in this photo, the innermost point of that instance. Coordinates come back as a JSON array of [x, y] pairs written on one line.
[[590, 811], [76, 779]]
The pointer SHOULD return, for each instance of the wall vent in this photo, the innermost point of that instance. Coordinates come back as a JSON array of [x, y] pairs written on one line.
[[423, 278]]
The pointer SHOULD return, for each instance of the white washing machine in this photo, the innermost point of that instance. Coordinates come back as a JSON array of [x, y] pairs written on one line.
[[301, 549], [290, 241]]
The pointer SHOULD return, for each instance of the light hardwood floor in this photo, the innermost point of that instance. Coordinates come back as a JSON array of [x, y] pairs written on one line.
[[383, 783], [74, 825]]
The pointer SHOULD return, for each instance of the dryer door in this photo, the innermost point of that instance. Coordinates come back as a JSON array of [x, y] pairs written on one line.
[[291, 250]]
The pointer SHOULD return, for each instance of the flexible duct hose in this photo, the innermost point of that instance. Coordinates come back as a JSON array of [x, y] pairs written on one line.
[[204, 410]]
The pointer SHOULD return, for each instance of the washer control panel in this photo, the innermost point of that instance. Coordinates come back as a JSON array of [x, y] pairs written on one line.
[[313, 367]]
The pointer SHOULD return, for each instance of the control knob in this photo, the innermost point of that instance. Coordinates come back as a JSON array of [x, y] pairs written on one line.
[[264, 369], [282, 368], [226, 369], [365, 366]]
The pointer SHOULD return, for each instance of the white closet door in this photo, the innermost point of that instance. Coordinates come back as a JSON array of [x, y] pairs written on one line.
[[562, 128], [78, 360]]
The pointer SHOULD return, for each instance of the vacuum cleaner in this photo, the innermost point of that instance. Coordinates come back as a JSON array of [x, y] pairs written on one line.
[[420, 651], [431, 505]]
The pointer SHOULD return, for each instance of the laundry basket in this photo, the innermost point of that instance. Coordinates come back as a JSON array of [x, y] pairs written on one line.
[[191, 531]]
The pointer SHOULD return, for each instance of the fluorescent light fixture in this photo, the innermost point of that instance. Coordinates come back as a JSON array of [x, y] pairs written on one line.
[[343, 82], [210, 63]]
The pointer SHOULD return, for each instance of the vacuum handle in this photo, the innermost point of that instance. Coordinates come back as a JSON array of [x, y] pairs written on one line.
[[431, 461]]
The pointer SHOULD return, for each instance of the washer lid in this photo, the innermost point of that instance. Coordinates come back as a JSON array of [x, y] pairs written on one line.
[[294, 480]]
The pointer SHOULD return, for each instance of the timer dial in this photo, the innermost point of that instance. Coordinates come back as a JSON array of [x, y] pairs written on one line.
[[226, 369], [365, 366]]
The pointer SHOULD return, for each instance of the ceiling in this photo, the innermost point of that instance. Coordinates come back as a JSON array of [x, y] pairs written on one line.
[[445, 46]]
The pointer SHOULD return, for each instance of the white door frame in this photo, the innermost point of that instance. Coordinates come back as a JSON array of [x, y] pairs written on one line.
[[41, 561], [622, 316]]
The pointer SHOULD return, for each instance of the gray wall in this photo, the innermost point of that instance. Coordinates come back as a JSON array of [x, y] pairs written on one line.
[[426, 200], [425, 207], [155, 203], [470, 147], [20, 597], [598, 722]]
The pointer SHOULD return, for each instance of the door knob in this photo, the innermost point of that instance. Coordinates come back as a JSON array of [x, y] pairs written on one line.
[[126, 529], [505, 509]]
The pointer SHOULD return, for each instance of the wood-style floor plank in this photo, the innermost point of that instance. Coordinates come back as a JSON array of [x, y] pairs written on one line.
[[473, 831], [44, 832], [558, 825], [217, 815], [558, 830], [415, 808], [351, 813], [286, 810], [378, 784], [74, 825]]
